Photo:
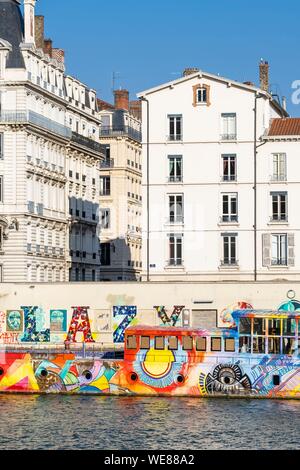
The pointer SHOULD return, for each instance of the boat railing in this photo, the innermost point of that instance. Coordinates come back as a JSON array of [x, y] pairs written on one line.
[[81, 351]]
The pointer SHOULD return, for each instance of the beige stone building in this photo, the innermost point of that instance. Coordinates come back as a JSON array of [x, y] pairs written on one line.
[[121, 189]]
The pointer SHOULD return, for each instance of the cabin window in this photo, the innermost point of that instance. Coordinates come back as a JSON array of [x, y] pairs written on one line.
[[289, 327], [201, 344], [245, 344], [145, 342], [274, 345], [187, 343], [276, 380], [131, 342], [173, 343], [230, 345], [288, 346], [216, 344], [274, 327], [259, 326], [159, 343], [259, 345], [245, 326]]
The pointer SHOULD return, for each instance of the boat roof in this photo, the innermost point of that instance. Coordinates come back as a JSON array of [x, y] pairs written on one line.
[[265, 313], [173, 330]]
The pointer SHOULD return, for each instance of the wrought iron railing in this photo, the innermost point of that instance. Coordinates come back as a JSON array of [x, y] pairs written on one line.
[[86, 142], [111, 131]]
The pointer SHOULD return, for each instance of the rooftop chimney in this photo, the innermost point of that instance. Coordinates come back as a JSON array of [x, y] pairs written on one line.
[[264, 75], [284, 102], [29, 23], [48, 47], [190, 71], [121, 99], [39, 31]]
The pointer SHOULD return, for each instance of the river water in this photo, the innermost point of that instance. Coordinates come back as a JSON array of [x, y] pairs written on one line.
[[114, 423]]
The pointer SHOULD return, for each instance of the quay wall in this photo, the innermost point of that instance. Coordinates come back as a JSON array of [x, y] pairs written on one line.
[[100, 312]]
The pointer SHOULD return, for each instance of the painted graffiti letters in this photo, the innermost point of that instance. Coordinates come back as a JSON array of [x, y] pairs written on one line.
[[123, 317], [80, 323], [173, 319]]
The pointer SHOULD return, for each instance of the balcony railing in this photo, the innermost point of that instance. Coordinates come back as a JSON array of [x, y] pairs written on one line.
[[86, 142], [228, 136], [280, 178], [174, 262], [229, 262], [229, 218], [36, 119], [175, 179], [279, 218], [279, 262], [108, 163], [174, 137], [112, 131], [226, 178]]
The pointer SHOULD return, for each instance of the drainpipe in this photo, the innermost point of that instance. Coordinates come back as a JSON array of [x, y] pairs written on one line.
[[148, 191]]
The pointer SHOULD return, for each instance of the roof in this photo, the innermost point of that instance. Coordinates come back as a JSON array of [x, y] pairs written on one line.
[[11, 30], [284, 126], [202, 74], [265, 313], [174, 330]]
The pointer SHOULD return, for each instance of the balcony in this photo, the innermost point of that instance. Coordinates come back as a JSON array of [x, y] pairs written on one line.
[[30, 117], [86, 142], [278, 178], [279, 262], [228, 136], [174, 137], [115, 131], [108, 163], [227, 219], [175, 179], [229, 262], [174, 262]]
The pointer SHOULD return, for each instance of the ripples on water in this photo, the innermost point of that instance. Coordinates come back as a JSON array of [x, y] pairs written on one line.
[[115, 423]]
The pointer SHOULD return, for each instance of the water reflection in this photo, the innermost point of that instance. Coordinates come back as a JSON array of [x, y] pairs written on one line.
[[86, 422]]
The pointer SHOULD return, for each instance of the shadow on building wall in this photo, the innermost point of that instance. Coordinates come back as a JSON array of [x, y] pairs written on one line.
[[117, 263]]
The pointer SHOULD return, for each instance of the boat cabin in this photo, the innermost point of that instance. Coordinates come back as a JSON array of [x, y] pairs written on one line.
[[255, 332]]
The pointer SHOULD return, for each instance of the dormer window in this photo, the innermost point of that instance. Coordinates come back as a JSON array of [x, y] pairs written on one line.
[[201, 95]]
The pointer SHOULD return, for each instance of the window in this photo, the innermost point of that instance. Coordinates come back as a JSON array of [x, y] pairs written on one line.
[[229, 167], [279, 167], [229, 345], [93, 275], [173, 343], [175, 249], [1, 189], [229, 250], [245, 326], [201, 95], [105, 218], [279, 249], [176, 208], [175, 128], [159, 343], [175, 168], [187, 343], [279, 206], [229, 206], [107, 152], [105, 254], [131, 342], [216, 344], [105, 186], [1, 145], [228, 126], [145, 342], [245, 344], [201, 344], [259, 338]]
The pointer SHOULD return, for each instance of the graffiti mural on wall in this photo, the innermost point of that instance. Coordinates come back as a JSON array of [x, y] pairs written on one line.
[[171, 320], [80, 323], [58, 321], [123, 317], [226, 318], [34, 326], [14, 321]]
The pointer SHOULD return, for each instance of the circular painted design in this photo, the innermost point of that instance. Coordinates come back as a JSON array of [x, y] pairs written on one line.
[[290, 306]]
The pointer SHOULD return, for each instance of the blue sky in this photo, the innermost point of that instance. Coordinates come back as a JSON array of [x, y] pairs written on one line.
[[151, 42]]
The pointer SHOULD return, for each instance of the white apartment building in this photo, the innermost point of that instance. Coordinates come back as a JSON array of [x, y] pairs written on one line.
[[222, 187], [49, 160], [121, 189]]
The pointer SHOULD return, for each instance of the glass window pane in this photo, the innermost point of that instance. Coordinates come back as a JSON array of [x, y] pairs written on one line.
[[259, 345], [159, 342], [173, 343], [259, 326], [131, 342], [274, 345], [187, 343], [245, 326], [245, 344], [201, 344], [229, 344], [289, 327], [274, 327], [216, 344], [288, 346], [145, 342]]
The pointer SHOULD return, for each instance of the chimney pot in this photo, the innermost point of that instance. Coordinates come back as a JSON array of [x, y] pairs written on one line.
[[190, 71], [121, 99], [48, 47], [264, 75]]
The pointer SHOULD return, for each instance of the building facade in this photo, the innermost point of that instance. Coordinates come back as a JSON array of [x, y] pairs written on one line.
[[48, 129], [121, 189], [222, 186]]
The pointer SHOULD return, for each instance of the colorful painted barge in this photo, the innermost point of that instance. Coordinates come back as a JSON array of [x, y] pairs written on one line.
[[258, 357]]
